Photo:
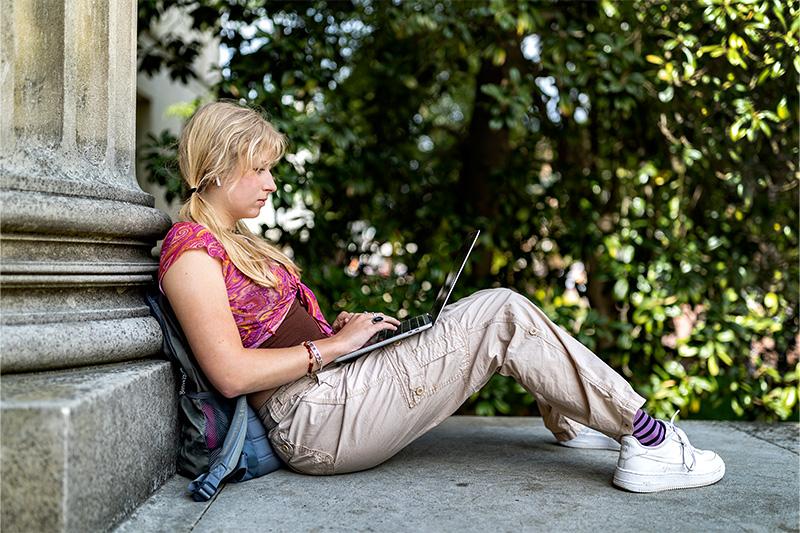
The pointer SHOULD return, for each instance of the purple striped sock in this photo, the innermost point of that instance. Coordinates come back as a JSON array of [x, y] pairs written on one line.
[[647, 430]]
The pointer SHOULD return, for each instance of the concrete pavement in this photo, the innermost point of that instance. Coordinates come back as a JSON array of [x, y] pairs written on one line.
[[504, 474]]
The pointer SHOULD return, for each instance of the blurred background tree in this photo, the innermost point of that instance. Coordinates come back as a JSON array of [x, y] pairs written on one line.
[[633, 167]]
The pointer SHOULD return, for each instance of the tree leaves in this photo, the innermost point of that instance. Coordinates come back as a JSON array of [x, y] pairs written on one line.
[[627, 161]]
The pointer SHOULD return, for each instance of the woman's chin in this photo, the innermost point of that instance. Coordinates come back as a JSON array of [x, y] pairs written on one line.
[[250, 213]]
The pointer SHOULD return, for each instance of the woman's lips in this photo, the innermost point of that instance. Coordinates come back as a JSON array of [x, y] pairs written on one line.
[[261, 202]]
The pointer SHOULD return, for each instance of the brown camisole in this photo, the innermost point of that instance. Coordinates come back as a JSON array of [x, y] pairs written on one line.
[[297, 326]]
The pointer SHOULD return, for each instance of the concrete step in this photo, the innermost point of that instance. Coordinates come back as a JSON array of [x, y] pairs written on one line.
[[82, 448], [502, 474]]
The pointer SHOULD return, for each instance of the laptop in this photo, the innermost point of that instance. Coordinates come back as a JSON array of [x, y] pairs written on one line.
[[418, 324]]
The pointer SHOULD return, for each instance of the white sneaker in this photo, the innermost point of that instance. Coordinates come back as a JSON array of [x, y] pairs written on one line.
[[591, 440], [673, 464]]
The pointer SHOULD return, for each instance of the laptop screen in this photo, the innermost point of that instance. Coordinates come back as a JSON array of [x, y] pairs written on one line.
[[452, 276]]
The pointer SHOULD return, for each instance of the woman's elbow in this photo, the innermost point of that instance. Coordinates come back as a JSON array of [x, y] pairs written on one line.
[[229, 391], [229, 385], [226, 379]]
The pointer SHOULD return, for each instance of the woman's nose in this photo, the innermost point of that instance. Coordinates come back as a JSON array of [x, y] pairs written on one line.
[[269, 183]]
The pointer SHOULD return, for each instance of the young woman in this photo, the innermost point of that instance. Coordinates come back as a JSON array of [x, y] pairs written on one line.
[[256, 329]]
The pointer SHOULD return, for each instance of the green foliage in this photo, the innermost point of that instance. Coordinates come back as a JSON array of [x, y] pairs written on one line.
[[501, 396], [633, 166]]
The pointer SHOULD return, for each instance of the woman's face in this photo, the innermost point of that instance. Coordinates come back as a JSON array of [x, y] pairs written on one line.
[[243, 194]]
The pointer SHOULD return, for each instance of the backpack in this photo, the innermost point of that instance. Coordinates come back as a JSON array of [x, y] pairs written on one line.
[[221, 439]]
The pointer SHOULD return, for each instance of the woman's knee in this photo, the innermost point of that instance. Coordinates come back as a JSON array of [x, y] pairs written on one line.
[[495, 294], [490, 300], [508, 298], [516, 307], [487, 306]]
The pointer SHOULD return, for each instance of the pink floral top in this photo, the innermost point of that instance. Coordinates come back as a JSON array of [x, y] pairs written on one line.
[[257, 310]]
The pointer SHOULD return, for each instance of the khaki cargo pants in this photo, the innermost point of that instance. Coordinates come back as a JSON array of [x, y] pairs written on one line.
[[363, 412]]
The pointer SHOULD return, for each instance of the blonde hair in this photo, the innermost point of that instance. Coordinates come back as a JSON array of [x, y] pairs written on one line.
[[220, 138]]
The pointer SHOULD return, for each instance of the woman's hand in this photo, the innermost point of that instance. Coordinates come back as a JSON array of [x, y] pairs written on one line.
[[358, 328], [341, 320]]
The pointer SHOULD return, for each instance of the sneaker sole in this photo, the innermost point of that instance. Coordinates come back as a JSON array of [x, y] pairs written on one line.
[[635, 482], [594, 445]]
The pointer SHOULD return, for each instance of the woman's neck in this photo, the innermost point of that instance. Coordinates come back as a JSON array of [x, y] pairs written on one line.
[[227, 223]]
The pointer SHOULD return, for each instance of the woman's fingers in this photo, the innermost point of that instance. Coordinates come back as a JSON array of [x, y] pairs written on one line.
[[380, 320], [390, 319], [346, 317], [385, 324], [377, 321], [341, 320], [361, 329]]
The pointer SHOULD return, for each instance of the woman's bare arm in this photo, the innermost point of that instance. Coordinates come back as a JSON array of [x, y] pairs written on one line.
[[195, 287]]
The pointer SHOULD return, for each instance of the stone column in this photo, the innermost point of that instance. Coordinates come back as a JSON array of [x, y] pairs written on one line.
[[88, 422]]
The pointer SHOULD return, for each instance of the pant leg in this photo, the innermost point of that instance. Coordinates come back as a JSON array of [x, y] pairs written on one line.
[[572, 386], [559, 425], [362, 413]]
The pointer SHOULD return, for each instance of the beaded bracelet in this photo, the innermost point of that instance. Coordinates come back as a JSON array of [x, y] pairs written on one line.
[[313, 357], [310, 360]]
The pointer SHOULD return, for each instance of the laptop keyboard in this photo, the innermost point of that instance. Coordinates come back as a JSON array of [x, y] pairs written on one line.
[[405, 325]]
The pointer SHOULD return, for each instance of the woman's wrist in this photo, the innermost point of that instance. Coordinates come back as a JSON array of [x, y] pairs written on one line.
[[329, 348], [315, 363]]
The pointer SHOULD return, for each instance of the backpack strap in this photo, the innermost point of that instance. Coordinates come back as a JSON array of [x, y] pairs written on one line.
[[246, 451], [229, 458], [258, 456], [175, 345]]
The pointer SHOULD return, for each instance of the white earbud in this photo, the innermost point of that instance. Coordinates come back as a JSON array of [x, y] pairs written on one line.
[[218, 183]]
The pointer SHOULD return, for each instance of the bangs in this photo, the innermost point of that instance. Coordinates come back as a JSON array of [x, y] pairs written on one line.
[[265, 147]]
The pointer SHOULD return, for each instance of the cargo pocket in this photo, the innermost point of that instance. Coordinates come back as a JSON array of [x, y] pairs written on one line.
[[301, 458], [427, 363], [296, 439], [330, 377]]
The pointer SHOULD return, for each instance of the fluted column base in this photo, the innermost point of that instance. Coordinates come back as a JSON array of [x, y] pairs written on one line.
[[73, 272]]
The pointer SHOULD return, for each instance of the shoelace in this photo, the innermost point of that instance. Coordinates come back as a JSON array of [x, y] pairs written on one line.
[[684, 443]]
